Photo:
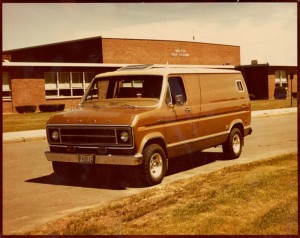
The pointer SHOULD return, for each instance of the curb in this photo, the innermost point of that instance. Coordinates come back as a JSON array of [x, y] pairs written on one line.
[[23, 139], [274, 112], [24, 136]]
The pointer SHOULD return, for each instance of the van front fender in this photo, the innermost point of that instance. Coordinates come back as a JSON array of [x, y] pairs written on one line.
[[151, 136]]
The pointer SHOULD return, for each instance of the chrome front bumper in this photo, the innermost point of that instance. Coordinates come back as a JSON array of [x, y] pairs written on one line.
[[99, 159]]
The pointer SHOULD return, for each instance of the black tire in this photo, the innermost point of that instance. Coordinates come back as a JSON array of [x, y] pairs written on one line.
[[154, 165], [232, 148]]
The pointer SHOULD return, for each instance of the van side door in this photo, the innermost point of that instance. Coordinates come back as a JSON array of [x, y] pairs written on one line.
[[177, 117], [192, 86]]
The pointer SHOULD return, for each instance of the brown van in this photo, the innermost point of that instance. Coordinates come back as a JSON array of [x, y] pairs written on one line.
[[144, 115]]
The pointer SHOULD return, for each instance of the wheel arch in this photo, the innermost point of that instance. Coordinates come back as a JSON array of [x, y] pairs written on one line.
[[153, 138], [238, 124]]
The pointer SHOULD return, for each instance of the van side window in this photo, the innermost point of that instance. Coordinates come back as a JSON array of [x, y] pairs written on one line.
[[239, 85], [177, 90]]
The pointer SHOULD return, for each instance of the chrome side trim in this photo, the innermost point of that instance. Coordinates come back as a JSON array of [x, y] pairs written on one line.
[[247, 128], [86, 125], [197, 139], [99, 159]]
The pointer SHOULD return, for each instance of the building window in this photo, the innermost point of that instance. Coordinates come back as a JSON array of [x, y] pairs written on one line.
[[6, 91], [67, 84], [51, 84], [77, 83], [281, 78], [64, 80]]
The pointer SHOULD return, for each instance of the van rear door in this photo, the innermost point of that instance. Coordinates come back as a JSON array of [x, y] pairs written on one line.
[[220, 105]]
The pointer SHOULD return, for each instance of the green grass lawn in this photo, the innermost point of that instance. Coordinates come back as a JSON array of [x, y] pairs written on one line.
[[35, 121], [258, 198], [25, 121], [272, 104]]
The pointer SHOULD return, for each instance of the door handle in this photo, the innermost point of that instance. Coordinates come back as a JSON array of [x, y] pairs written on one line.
[[187, 110]]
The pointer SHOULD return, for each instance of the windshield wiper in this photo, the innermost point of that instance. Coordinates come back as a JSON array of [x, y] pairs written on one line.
[[97, 106], [94, 104]]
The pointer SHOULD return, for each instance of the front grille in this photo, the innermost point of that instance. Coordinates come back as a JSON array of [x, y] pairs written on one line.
[[89, 136]]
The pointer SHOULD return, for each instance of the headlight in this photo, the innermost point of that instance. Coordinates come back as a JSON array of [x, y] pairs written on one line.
[[124, 136], [54, 135]]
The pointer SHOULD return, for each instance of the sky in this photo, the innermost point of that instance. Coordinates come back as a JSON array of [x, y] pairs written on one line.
[[266, 32]]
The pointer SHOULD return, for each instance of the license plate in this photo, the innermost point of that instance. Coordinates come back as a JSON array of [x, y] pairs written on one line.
[[86, 159]]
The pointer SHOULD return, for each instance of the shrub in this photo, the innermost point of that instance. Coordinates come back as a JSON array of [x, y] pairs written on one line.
[[26, 109], [61, 107], [280, 93], [51, 107]]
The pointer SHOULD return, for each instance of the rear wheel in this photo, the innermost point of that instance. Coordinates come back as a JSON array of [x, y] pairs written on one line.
[[154, 165], [232, 148]]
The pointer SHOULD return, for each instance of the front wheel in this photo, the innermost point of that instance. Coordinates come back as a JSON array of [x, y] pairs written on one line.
[[154, 165], [232, 148]]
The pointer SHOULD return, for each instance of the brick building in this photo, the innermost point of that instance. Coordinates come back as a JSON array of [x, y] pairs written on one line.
[[262, 79], [60, 73]]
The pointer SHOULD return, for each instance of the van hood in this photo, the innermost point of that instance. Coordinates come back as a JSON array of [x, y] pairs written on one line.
[[98, 116]]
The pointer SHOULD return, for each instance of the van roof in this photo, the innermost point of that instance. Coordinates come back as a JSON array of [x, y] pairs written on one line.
[[169, 69]]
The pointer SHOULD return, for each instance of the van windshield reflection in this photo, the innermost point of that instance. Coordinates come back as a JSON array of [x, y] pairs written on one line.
[[130, 91]]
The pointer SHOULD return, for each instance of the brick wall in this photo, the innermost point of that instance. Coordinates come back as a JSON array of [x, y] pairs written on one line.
[[27, 92], [295, 84], [271, 83], [70, 103], [129, 51], [7, 107], [271, 88]]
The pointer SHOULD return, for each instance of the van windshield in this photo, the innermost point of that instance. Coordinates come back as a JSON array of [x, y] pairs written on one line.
[[129, 91]]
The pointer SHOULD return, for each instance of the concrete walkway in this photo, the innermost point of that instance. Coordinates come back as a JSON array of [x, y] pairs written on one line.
[[23, 136]]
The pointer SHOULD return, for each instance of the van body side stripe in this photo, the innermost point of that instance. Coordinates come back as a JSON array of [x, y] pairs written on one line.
[[187, 120], [197, 139]]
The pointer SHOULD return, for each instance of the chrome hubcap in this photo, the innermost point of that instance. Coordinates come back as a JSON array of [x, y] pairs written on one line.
[[236, 144], [156, 165]]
